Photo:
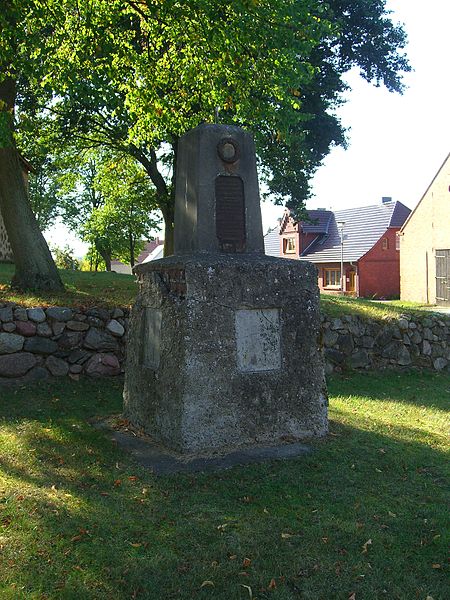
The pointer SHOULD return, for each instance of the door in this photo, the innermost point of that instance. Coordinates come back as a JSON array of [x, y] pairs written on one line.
[[351, 283], [443, 277]]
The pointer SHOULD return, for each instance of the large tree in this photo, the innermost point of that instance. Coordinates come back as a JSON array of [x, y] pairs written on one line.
[[136, 74], [34, 266]]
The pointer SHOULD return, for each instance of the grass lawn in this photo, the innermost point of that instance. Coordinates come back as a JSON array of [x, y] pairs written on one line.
[[83, 288], [112, 289], [361, 518]]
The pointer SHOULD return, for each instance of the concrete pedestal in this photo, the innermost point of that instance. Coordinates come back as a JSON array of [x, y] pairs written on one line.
[[223, 353]]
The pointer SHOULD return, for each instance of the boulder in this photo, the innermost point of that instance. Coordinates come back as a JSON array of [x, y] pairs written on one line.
[[20, 314], [40, 345], [58, 327], [44, 329], [6, 314], [26, 328], [10, 343], [97, 339], [70, 339], [59, 313], [16, 365], [57, 366], [103, 364], [115, 328], [9, 327], [36, 314], [77, 325]]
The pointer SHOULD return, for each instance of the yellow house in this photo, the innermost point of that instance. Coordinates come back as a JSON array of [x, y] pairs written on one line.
[[425, 245]]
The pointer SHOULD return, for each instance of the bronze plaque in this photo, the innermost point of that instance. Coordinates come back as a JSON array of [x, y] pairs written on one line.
[[230, 213]]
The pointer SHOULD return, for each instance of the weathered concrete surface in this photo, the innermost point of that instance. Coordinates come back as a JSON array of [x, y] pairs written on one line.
[[199, 166], [193, 387], [163, 462]]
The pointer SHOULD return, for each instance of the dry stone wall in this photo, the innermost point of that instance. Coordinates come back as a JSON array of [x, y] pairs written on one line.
[[351, 342], [36, 343]]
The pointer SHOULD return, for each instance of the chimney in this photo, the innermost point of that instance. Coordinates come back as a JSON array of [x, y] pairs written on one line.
[[386, 199]]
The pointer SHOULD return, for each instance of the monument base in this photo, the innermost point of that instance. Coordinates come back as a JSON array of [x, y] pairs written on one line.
[[223, 353]]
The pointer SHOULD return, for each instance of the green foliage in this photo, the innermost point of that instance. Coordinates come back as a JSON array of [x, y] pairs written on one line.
[[64, 258], [136, 75]]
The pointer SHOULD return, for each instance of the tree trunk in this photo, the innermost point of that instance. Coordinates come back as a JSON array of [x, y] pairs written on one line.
[[131, 242], [34, 265]]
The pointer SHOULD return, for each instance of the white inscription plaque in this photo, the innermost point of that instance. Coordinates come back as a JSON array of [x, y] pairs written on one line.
[[258, 340]]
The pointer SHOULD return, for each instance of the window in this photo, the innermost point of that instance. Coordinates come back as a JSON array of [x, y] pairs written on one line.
[[289, 245], [397, 242], [331, 278], [385, 244]]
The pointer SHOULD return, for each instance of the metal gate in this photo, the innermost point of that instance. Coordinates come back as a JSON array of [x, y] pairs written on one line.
[[443, 277]]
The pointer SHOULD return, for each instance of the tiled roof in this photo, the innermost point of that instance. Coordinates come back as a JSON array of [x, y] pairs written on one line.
[[272, 242], [364, 226], [320, 221]]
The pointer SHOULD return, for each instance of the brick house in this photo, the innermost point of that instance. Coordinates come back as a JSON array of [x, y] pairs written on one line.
[[371, 264], [425, 245], [152, 250]]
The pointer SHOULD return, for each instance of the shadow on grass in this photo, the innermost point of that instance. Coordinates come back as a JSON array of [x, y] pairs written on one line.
[[81, 520]]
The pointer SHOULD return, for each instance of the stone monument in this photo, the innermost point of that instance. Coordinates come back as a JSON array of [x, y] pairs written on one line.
[[223, 347]]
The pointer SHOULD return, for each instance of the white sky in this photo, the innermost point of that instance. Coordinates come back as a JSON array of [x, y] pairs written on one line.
[[396, 143]]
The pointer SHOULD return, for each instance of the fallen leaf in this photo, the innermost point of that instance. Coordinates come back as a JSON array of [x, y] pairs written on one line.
[[286, 536], [135, 545], [76, 538], [391, 514], [365, 546], [207, 583], [246, 562], [133, 478], [272, 585], [249, 590], [436, 566], [118, 482], [352, 596], [214, 563], [233, 557]]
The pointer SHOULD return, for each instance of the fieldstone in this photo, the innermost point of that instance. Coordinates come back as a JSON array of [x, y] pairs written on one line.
[[115, 328], [440, 363], [406, 339], [16, 365], [79, 317], [426, 348], [75, 369], [427, 334], [334, 356], [330, 338], [98, 313], [403, 324], [103, 364], [346, 344], [117, 312], [384, 338], [328, 368], [58, 327], [99, 340], [416, 338], [20, 314], [6, 314], [79, 356], [44, 329], [10, 343], [26, 328], [77, 326], [9, 327], [404, 357], [359, 359], [337, 324], [57, 366], [59, 313], [40, 345], [95, 322], [70, 339], [36, 314], [36, 374], [391, 350], [412, 325], [367, 341]]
